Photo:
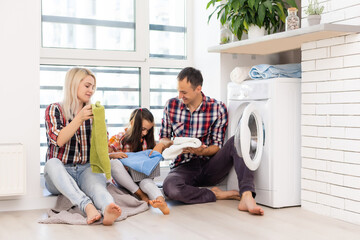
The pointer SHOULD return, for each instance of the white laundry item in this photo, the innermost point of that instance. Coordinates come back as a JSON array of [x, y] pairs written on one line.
[[239, 74], [179, 144]]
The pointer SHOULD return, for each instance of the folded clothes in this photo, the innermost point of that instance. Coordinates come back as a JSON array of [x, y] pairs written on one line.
[[265, 71], [141, 161], [179, 144], [239, 74]]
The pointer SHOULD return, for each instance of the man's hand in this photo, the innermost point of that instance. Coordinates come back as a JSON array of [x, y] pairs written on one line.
[[197, 151]]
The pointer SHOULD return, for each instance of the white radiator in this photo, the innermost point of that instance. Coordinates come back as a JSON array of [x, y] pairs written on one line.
[[12, 170]]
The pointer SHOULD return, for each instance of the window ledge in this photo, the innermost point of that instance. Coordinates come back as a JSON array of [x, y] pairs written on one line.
[[284, 41]]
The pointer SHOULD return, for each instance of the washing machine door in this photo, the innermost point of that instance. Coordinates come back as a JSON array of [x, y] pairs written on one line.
[[249, 136]]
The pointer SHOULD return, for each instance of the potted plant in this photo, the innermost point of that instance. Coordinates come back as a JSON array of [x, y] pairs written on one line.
[[244, 15], [314, 12]]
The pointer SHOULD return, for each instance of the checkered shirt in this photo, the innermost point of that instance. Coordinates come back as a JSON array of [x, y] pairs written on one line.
[[208, 123], [77, 149]]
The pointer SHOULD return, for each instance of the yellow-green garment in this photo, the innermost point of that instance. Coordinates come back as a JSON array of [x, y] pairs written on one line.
[[99, 156]]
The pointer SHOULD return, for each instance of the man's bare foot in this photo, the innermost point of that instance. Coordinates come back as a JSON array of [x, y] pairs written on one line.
[[139, 193], [160, 203], [112, 212], [223, 195], [92, 214], [248, 203]]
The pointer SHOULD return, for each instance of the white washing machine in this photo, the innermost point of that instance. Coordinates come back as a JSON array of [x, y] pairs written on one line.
[[264, 116]]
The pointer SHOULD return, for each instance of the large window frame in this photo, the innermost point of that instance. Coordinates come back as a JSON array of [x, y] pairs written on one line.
[[138, 58]]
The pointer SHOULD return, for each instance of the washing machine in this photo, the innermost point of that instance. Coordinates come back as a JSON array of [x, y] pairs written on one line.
[[264, 116]]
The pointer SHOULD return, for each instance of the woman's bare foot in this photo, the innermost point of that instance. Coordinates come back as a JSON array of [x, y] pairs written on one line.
[[92, 214], [142, 195], [160, 203], [223, 195], [248, 203], [112, 212]]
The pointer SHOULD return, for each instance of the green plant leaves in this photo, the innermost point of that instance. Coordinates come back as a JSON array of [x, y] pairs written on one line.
[[240, 14]]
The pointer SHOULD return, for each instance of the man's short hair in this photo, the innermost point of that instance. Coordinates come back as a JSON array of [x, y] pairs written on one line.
[[193, 76]]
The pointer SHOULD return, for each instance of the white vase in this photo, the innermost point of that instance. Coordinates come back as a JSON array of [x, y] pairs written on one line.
[[255, 31], [314, 19]]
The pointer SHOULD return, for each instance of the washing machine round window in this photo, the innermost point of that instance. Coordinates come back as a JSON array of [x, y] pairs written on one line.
[[249, 135]]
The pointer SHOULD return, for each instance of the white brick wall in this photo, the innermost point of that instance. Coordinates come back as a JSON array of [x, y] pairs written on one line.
[[330, 115]]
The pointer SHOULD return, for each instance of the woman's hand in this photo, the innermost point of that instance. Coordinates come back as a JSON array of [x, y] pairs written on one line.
[[85, 113], [118, 155]]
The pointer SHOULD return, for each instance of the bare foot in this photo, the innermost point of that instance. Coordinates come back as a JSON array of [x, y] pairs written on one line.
[[248, 203], [92, 214], [160, 203], [223, 195], [112, 212], [142, 195]]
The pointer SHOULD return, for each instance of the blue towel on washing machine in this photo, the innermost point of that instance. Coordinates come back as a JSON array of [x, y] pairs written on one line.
[[141, 161], [265, 71]]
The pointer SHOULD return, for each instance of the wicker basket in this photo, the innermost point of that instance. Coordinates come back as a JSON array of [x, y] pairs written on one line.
[[138, 176]]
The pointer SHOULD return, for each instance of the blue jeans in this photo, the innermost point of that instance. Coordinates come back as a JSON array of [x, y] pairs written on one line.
[[78, 183]]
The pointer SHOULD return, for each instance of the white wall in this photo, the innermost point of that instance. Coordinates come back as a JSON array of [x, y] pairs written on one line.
[[206, 35], [331, 118], [19, 91]]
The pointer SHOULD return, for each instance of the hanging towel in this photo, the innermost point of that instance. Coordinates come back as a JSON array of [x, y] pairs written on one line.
[[239, 74], [141, 161], [265, 71], [179, 144], [99, 156]]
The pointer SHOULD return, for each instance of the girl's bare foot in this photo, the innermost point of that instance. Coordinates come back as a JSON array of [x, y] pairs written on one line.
[[223, 195], [160, 203], [248, 203], [112, 212], [92, 214], [142, 195]]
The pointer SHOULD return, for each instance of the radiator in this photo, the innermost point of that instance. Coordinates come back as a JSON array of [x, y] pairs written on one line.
[[12, 170]]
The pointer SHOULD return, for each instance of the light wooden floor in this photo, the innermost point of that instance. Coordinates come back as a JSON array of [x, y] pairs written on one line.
[[219, 220]]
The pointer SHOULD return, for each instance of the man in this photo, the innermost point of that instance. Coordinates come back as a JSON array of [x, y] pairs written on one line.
[[192, 114]]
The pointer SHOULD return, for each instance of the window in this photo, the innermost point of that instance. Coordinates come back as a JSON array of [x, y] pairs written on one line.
[[135, 48]]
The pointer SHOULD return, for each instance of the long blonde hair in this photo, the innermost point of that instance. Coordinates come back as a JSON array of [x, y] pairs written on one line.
[[72, 80]]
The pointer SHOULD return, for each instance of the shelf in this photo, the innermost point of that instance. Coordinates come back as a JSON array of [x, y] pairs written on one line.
[[284, 41]]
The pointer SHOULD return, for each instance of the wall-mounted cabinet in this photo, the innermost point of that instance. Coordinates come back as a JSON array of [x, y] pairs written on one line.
[[285, 41]]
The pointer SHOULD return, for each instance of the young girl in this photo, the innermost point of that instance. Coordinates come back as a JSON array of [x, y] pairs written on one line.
[[67, 169], [138, 137]]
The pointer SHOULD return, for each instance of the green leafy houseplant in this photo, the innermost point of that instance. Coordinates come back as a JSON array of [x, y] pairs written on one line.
[[240, 14], [314, 8]]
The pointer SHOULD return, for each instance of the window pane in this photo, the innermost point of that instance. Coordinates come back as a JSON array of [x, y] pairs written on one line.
[[167, 29], [117, 88], [89, 24], [163, 86]]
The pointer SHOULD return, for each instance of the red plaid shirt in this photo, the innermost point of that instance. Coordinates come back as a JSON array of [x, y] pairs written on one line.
[[77, 149], [208, 123]]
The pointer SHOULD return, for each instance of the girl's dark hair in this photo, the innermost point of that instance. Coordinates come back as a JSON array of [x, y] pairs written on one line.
[[133, 135]]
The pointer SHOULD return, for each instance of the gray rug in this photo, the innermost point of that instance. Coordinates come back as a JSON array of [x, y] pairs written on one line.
[[65, 212]]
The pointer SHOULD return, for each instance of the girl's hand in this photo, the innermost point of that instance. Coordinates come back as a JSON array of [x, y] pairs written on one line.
[[85, 113], [118, 155]]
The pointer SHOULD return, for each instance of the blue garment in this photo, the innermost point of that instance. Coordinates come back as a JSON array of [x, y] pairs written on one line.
[[141, 161], [264, 71]]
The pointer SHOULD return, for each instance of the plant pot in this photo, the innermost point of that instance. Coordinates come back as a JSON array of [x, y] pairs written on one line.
[[314, 19], [255, 32]]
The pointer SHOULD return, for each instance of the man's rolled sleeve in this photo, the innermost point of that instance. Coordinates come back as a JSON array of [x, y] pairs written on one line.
[[166, 130]]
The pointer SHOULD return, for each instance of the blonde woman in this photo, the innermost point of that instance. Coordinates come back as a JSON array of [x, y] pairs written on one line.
[[67, 169]]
